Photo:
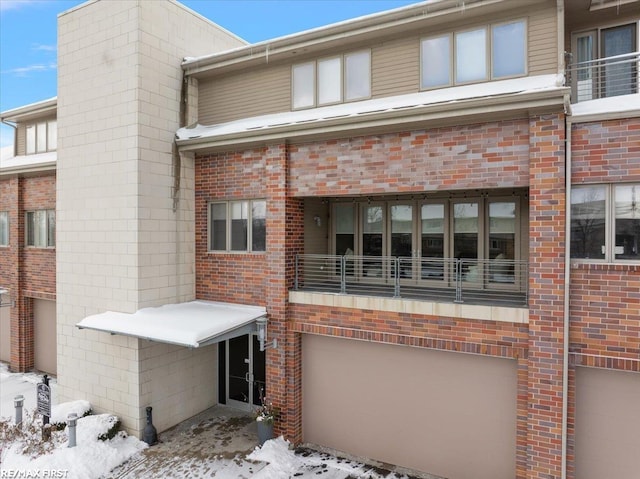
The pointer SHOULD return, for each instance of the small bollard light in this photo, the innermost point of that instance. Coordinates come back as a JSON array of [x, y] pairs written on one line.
[[71, 428], [18, 402]]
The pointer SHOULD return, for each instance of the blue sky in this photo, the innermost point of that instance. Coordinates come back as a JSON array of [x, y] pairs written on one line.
[[28, 35]]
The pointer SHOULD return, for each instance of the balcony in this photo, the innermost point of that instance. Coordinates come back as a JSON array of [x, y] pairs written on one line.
[[604, 77], [497, 282]]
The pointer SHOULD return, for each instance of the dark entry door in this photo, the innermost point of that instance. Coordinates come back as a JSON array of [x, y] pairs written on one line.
[[246, 372]]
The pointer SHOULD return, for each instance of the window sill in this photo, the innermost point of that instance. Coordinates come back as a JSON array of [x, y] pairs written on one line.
[[605, 266]]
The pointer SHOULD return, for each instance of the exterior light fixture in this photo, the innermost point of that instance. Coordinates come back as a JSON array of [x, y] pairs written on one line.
[[317, 220], [4, 304], [262, 335]]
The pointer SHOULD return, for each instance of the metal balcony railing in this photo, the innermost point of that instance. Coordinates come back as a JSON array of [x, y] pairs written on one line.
[[493, 282], [605, 77]]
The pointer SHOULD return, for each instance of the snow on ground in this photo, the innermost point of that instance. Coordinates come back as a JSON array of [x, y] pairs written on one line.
[[16, 384]]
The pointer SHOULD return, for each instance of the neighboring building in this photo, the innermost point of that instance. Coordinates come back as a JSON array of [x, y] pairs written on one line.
[[27, 239], [436, 210]]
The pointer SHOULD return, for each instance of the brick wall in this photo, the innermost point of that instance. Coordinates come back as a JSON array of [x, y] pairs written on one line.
[[546, 295], [27, 272], [232, 277], [488, 155], [605, 298]]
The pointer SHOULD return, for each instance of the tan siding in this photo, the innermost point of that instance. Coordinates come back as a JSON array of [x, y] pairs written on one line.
[[543, 41], [247, 94], [395, 67]]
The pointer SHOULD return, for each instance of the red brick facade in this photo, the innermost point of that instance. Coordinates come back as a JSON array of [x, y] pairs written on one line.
[[29, 273], [515, 153]]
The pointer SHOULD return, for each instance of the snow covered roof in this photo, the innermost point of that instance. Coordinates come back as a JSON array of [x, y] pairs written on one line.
[[354, 111], [11, 164], [623, 105], [192, 324]]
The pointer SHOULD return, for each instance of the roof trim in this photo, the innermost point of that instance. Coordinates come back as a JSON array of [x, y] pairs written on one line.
[[39, 108], [402, 17], [192, 324]]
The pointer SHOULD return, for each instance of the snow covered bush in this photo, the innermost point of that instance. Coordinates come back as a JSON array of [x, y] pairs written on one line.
[[60, 413]]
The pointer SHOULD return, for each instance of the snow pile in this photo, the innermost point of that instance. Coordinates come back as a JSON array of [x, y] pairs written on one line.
[[90, 459], [284, 462], [60, 413]]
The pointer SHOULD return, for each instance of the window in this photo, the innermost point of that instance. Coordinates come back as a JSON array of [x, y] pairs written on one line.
[[238, 225], [40, 228], [429, 235], [471, 56], [4, 228], [436, 62], [604, 63], [605, 222], [508, 49], [466, 56], [331, 80], [41, 137], [303, 85], [358, 75]]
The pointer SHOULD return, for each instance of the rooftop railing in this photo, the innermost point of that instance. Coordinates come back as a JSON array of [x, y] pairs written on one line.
[[604, 78], [498, 282]]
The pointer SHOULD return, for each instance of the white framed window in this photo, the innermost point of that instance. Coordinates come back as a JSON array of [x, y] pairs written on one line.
[[4, 228], [331, 80], [605, 222], [303, 84], [485, 53], [471, 55], [40, 228], [41, 137], [237, 225], [357, 75], [508, 49], [435, 54]]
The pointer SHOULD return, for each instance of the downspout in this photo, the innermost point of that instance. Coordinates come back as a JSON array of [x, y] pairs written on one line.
[[15, 135], [567, 272], [567, 244]]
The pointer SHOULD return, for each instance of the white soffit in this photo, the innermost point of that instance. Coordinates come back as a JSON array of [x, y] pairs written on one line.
[[193, 324]]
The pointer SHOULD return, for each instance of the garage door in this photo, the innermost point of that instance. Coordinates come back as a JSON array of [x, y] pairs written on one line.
[[607, 424], [5, 334], [44, 332], [448, 414]]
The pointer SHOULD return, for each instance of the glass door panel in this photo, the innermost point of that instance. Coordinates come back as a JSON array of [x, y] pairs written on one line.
[[583, 84], [432, 242], [372, 240], [465, 239], [345, 233], [502, 242], [259, 373], [619, 77], [402, 238], [238, 362]]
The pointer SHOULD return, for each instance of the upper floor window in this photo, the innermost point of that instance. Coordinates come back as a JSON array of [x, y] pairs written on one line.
[[605, 222], [238, 225], [331, 80], [604, 64], [4, 228], [40, 228], [493, 52], [41, 137]]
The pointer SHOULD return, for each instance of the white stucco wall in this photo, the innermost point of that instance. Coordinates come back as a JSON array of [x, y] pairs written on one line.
[[120, 245]]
